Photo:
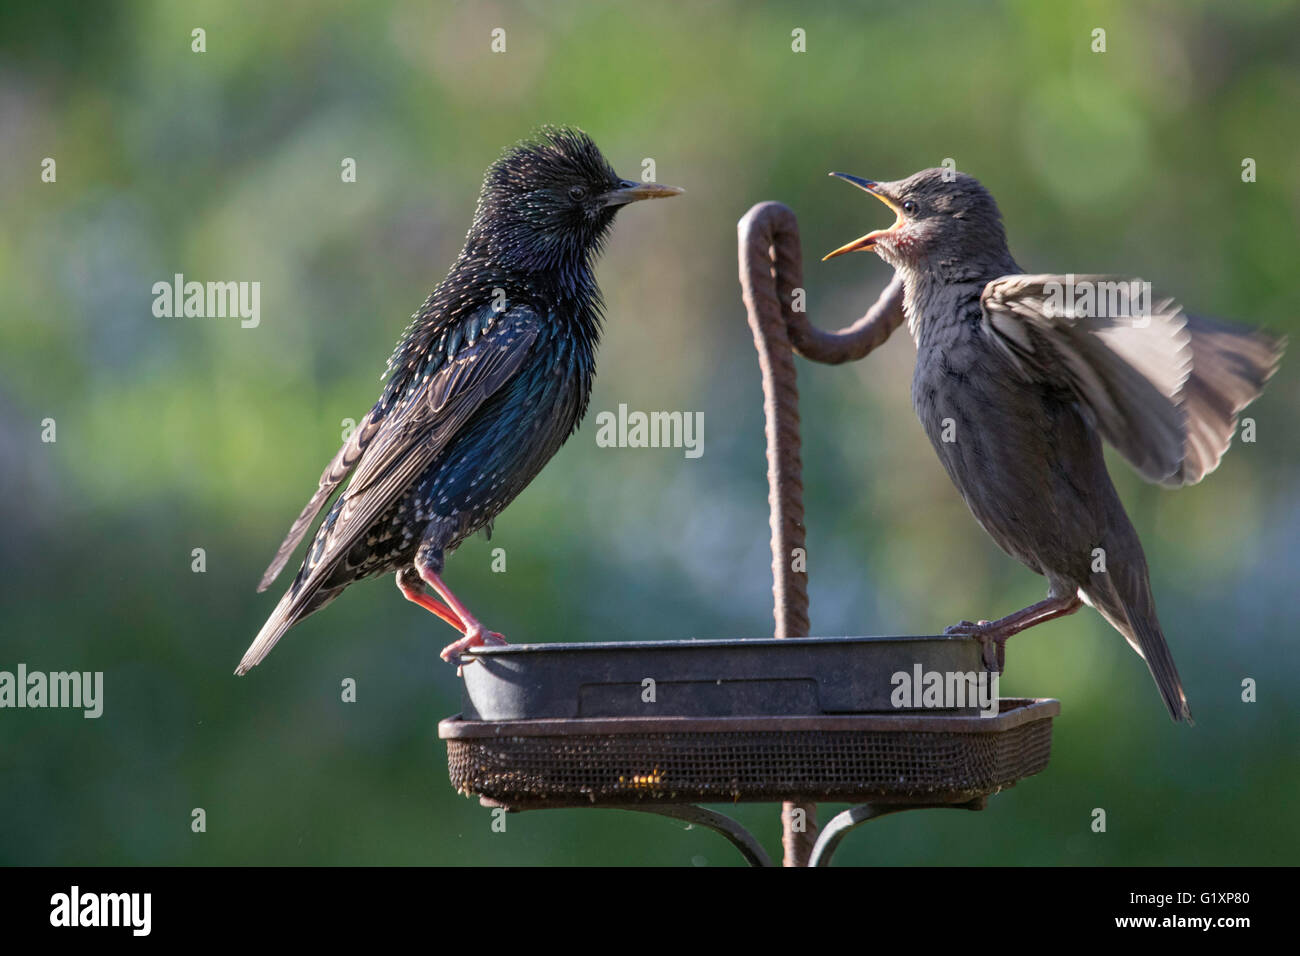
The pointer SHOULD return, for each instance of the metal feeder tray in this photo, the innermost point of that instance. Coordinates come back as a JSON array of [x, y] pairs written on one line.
[[706, 678], [807, 719]]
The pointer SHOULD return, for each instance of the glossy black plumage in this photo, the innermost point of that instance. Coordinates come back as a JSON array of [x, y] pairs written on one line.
[[491, 376]]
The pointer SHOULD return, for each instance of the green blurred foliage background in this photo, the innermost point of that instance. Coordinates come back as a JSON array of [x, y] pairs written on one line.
[[182, 433]]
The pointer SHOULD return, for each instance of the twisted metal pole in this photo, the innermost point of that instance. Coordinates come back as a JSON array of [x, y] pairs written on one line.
[[771, 269]]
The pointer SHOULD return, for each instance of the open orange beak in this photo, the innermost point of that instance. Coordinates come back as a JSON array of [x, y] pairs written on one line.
[[869, 240]]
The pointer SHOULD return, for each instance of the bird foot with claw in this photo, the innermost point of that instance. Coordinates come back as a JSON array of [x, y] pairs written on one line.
[[476, 636], [993, 642]]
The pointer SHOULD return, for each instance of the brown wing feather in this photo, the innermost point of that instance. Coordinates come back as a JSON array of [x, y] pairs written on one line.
[[1230, 367], [1164, 389], [1127, 371]]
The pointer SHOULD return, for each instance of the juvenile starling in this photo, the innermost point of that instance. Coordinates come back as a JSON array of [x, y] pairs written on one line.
[[1019, 377], [490, 378]]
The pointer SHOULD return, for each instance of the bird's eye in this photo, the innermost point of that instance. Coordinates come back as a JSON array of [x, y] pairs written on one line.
[[577, 193], [909, 207]]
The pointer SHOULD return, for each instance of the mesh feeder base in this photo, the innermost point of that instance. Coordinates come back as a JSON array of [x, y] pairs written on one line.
[[899, 759]]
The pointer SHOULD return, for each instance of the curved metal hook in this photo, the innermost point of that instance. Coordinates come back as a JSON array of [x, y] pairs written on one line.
[[771, 268]]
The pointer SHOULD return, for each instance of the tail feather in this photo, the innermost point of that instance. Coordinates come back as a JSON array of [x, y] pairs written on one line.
[[293, 607], [1136, 619]]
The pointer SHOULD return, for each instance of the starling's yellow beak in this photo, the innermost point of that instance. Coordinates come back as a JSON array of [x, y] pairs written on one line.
[[631, 192], [869, 240]]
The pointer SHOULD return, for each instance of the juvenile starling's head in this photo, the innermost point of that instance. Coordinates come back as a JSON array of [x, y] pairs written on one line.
[[547, 203], [944, 220]]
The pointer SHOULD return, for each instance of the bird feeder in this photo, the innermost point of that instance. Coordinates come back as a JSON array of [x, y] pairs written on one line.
[[662, 727]]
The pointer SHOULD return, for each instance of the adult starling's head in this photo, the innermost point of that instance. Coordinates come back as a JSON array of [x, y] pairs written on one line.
[[944, 220], [548, 203]]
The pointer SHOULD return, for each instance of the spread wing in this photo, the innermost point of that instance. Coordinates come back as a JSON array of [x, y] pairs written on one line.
[[1164, 388], [1230, 367], [1127, 368]]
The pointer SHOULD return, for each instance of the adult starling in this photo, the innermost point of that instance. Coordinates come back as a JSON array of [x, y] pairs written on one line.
[[490, 378], [1018, 379]]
